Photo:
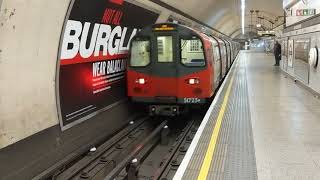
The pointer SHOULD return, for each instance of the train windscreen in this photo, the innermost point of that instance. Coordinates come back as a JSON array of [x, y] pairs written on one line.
[[140, 53], [192, 54], [165, 49]]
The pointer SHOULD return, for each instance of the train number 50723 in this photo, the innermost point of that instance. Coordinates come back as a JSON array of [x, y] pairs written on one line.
[[191, 100]]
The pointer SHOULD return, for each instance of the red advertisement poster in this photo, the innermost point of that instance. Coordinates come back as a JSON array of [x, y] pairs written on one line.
[[93, 55]]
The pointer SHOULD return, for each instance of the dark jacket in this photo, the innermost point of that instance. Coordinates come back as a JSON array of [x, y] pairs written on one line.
[[277, 49]]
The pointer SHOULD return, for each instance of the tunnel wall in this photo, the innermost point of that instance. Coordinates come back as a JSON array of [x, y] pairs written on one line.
[[29, 34], [31, 139]]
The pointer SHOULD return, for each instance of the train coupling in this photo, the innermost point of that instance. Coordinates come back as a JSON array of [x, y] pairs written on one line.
[[164, 110]]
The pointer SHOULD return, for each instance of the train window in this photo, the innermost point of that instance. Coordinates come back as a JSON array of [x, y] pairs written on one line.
[[195, 46], [165, 49], [192, 52], [140, 53]]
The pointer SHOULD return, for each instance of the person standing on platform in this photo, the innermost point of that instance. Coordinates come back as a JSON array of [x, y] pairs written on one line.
[[277, 53]]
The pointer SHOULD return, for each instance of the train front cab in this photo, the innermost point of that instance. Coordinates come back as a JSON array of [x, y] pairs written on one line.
[[169, 69]]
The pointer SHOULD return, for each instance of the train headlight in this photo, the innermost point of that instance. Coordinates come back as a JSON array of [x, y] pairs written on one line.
[[193, 81], [141, 81]]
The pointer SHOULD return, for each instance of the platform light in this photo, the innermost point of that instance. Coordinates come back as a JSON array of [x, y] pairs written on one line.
[[243, 8], [259, 25]]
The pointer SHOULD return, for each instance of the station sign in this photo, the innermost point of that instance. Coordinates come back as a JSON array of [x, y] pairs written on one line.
[[266, 33], [306, 12], [93, 55], [164, 27], [302, 10]]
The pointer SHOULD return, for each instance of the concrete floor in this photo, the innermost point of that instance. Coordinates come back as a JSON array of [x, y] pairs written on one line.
[[285, 122]]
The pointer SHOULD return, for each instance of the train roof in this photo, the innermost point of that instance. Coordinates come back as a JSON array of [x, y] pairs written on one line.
[[167, 27], [184, 30]]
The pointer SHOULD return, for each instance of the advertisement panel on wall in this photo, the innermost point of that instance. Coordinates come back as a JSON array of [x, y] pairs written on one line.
[[93, 55], [301, 59], [290, 52], [284, 50], [301, 10]]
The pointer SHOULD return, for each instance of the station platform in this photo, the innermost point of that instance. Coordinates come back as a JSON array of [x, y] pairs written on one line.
[[261, 125]]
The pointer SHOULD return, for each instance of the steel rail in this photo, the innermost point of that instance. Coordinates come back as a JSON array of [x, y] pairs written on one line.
[[92, 156], [132, 155], [173, 151], [57, 168]]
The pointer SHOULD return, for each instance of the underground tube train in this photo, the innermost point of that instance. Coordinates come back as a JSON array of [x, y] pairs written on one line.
[[172, 67]]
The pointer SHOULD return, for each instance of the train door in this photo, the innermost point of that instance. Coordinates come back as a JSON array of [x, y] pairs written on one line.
[[219, 57], [226, 53], [217, 64], [164, 66], [231, 53], [223, 52]]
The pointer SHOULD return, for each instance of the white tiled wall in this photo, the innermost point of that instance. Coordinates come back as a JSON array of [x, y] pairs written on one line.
[[314, 82], [29, 41]]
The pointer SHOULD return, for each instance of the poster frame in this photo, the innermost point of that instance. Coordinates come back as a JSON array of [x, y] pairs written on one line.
[[64, 126]]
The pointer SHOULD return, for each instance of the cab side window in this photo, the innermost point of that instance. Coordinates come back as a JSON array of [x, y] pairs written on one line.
[[140, 53], [192, 52]]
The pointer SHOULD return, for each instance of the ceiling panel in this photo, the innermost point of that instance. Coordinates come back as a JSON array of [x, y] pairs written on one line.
[[224, 15]]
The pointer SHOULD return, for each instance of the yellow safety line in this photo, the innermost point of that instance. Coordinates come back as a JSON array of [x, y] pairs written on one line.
[[213, 141]]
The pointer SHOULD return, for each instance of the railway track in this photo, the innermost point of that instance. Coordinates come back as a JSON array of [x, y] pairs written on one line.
[[83, 156], [148, 148], [161, 157]]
